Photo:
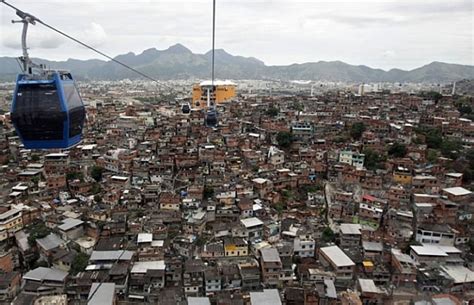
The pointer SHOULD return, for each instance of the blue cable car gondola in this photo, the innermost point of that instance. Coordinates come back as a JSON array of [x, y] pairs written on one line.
[[47, 111], [186, 109], [211, 118]]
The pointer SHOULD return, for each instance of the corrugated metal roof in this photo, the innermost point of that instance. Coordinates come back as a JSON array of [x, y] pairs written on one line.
[[70, 223], [337, 256], [199, 301], [111, 255], [142, 267], [251, 222], [351, 228], [368, 285], [270, 255], [42, 273], [50, 242], [104, 294], [266, 297]]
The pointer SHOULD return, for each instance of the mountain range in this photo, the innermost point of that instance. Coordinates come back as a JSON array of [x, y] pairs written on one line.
[[178, 62]]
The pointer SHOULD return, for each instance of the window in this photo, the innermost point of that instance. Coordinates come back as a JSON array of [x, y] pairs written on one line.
[[73, 100], [37, 113]]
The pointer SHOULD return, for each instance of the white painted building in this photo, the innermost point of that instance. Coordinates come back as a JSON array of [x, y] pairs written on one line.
[[352, 158], [304, 246]]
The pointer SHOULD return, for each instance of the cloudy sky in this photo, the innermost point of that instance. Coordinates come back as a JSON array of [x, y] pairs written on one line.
[[382, 34]]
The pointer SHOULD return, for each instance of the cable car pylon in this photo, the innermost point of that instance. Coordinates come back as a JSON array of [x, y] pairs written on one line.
[[211, 119]]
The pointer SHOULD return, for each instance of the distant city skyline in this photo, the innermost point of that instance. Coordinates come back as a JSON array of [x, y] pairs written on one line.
[[379, 34]]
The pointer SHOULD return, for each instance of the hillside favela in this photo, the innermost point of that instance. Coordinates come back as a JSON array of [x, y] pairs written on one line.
[[186, 174]]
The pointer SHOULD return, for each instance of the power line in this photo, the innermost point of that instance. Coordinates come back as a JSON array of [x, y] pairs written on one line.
[[33, 18]]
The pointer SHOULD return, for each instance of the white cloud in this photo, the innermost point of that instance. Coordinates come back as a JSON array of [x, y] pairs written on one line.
[[94, 35], [389, 53], [36, 39]]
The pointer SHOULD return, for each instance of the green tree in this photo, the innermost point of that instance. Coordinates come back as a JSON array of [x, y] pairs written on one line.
[[451, 148], [75, 176], [96, 189], [201, 241], [432, 155], [397, 150], [471, 246], [79, 263], [433, 136], [432, 95], [464, 105], [465, 109], [467, 175], [373, 160], [96, 173], [287, 195], [341, 139], [35, 158], [357, 129], [208, 192], [417, 140], [470, 158], [284, 139], [297, 106], [98, 198], [38, 263], [328, 235], [280, 207], [35, 180], [37, 230], [272, 111]]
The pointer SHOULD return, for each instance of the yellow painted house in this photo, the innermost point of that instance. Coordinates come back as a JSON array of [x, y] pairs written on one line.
[[223, 92], [10, 222], [402, 175], [235, 247]]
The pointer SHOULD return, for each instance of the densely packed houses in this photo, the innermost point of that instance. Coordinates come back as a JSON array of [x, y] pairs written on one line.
[[329, 198]]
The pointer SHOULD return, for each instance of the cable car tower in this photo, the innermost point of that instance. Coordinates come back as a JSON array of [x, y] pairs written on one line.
[[47, 110], [211, 112]]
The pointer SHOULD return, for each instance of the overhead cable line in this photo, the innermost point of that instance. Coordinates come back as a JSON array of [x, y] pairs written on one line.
[[32, 19], [213, 38], [35, 19]]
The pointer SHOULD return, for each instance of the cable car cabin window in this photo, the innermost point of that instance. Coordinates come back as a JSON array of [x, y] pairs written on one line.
[[73, 100], [75, 109], [38, 114]]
